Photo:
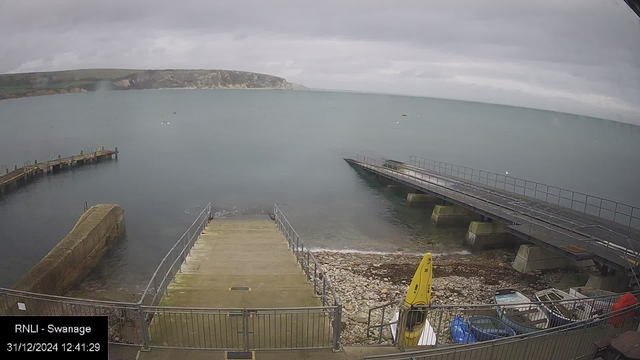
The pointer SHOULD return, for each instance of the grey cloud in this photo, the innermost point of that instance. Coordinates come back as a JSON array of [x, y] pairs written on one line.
[[574, 46]]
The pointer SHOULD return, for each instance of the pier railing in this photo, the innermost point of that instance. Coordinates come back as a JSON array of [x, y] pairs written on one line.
[[612, 210], [573, 340], [314, 271], [172, 261]]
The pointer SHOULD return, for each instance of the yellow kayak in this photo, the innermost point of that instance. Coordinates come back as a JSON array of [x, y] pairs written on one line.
[[417, 330]]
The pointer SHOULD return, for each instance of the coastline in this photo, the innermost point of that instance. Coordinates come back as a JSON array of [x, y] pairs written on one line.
[[48, 92]]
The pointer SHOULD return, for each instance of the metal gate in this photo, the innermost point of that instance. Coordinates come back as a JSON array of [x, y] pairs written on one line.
[[240, 329]]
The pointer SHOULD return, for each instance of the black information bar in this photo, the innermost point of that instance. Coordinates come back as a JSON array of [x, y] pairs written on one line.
[[54, 337]]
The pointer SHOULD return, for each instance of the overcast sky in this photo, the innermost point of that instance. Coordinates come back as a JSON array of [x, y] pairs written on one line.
[[579, 56]]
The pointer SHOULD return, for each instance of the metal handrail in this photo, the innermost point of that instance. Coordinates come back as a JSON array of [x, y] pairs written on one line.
[[525, 213], [518, 183], [178, 308], [551, 302], [66, 299], [394, 305], [307, 258], [187, 240]]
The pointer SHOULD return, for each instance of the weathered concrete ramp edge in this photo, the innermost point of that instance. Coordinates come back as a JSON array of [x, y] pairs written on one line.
[[76, 254]]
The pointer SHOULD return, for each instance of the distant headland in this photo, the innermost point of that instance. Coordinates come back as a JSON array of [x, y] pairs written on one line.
[[77, 81]]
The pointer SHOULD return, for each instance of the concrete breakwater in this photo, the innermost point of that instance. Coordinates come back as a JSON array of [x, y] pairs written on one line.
[[76, 254]]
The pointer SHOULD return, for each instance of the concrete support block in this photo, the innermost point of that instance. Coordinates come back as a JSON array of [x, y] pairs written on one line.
[[421, 200], [532, 257], [613, 283], [590, 292], [397, 188], [487, 235], [452, 215]]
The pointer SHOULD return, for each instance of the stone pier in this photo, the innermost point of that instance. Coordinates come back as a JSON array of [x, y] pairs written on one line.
[[452, 215], [487, 235], [69, 262]]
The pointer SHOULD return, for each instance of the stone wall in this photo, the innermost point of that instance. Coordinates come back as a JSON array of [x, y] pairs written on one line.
[[76, 254]]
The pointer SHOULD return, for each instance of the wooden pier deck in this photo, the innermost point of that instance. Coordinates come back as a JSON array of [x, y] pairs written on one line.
[[575, 234], [11, 180]]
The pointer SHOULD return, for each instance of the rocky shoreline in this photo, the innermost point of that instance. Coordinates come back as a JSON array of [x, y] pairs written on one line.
[[366, 280]]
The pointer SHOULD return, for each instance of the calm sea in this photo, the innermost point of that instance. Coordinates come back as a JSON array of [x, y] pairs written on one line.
[[244, 150]]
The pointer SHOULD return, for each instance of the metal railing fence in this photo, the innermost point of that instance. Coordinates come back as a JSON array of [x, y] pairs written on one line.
[[313, 270], [241, 329], [571, 231], [172, 261], [589, 204], [570, 341], [124, 318], [534, 314]]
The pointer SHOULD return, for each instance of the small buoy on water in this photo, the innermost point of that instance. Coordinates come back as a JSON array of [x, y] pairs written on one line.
[[168, 122], [174, 113], [397, 122]]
